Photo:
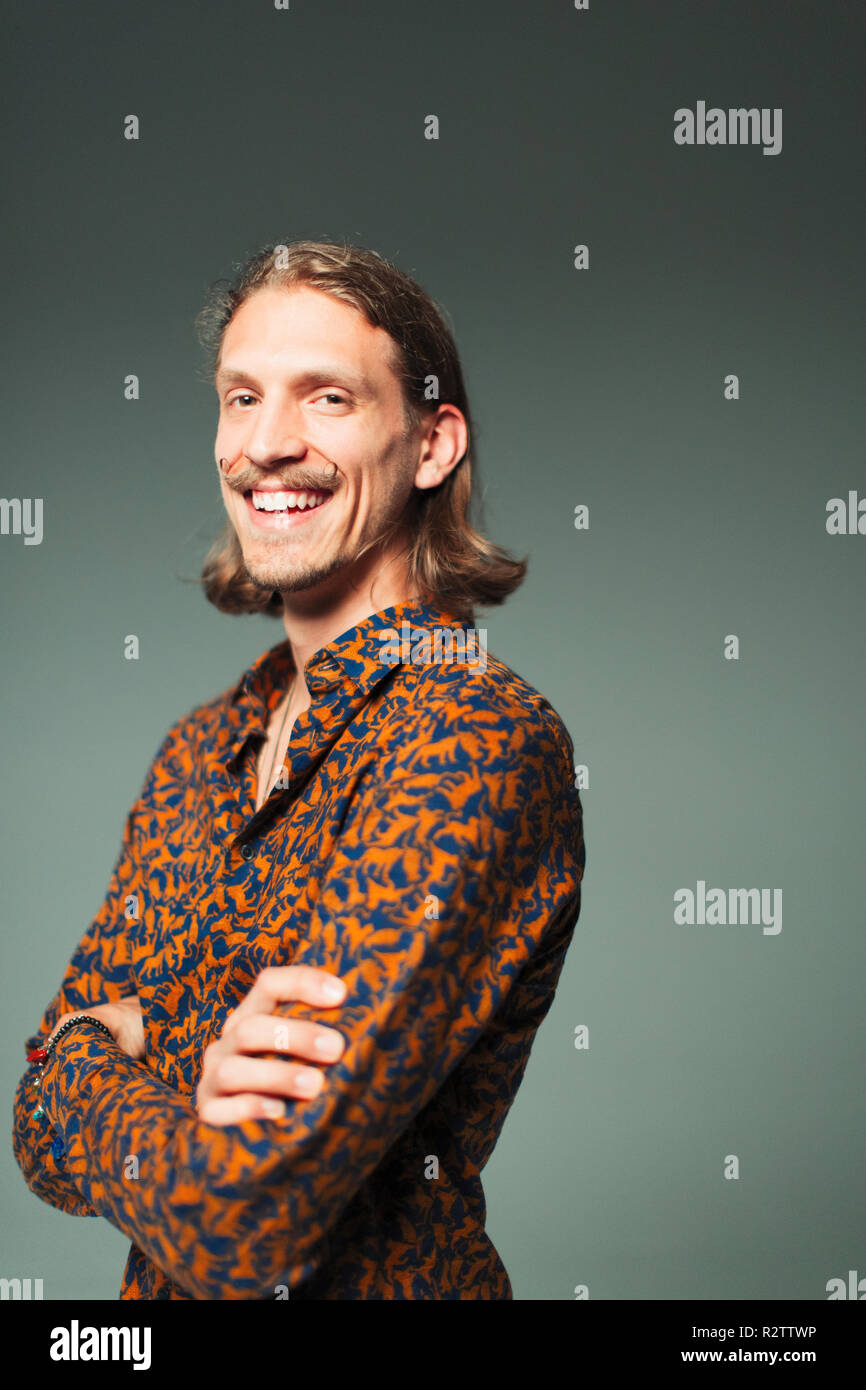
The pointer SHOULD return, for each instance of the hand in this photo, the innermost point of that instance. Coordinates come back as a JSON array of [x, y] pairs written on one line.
[[123, 1018], [235, 1086]]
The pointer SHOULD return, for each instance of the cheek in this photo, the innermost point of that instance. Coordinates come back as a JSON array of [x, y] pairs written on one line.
[[370, 499], [385, 494], [382, 483], [229, 496], [229, 440], [233, 460]]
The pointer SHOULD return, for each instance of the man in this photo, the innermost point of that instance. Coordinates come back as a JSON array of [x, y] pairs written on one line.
[[375, 804]]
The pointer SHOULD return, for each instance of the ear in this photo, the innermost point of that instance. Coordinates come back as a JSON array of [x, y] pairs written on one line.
[[443, 446]]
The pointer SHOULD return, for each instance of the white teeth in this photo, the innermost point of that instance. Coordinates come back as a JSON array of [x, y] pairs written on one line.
[[279, 501]]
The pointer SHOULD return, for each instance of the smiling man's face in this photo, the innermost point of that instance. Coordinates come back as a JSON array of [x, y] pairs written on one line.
[[312, 431]]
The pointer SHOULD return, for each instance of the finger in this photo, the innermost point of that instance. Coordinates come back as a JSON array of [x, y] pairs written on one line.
[[233, 1110], [296, 1036], [236, 1074], [278, 983]]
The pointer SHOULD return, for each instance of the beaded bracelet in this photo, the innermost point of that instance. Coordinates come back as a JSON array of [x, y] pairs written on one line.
[[40, 1055]]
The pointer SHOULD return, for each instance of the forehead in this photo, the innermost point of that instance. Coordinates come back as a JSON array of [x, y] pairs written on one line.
[[299, 329]]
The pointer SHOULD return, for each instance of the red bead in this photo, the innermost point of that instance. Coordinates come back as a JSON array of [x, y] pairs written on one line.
[[37, 1055]]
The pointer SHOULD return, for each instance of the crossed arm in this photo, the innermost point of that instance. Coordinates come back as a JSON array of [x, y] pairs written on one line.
[[235, 1211]]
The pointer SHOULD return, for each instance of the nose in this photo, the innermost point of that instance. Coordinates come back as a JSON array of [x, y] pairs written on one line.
[[274, 437]]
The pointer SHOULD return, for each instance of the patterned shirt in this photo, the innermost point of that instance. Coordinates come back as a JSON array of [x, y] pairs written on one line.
[[424, 841]]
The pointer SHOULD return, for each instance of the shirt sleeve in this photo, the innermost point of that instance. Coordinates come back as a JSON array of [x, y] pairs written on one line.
[[98, 973], [435, 899]]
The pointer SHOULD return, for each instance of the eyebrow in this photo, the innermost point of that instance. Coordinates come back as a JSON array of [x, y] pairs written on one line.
[[320, 375]]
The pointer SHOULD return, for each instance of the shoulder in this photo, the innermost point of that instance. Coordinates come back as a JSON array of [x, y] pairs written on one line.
[[483, 719], [478, 764], [179, 749]]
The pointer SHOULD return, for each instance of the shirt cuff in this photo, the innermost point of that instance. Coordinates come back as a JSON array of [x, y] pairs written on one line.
[[71, 1075]]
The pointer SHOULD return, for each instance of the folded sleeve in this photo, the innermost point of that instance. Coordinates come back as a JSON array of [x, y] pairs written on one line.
[[439, 892]]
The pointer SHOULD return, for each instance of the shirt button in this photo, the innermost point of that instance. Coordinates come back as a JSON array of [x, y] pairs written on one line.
[[247, 852]]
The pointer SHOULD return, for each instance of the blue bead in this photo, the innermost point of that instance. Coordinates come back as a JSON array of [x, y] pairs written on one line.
[[38, 1112]]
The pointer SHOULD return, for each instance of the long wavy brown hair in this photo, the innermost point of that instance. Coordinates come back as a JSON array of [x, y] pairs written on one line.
[[450, 563]]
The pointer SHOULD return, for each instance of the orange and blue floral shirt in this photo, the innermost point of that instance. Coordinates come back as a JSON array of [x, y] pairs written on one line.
[[424, 841]]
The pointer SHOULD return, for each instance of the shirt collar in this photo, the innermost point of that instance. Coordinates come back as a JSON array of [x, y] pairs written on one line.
[[351, 664]]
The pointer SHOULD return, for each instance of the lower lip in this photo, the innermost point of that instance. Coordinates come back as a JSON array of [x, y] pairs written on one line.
[[281, 521]]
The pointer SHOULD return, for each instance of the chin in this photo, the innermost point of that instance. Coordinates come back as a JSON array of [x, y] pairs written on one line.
[[290, 580]]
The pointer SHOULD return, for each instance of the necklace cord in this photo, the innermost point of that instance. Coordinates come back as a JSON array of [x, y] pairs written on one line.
[[269, 782]]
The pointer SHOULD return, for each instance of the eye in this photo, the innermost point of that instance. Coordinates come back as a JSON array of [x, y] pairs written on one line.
[[244, 396], [332, 395]]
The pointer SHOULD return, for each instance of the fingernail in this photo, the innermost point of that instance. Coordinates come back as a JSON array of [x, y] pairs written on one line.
[[333, 989], [308, 1080], [327, 1045], [274, 1109]]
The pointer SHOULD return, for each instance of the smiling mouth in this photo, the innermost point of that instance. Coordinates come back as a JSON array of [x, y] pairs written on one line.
[[287, 503]]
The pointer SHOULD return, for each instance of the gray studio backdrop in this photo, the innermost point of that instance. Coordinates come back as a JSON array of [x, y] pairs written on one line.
[[601, 387]]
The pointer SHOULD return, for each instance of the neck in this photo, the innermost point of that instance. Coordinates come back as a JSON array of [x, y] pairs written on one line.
[[314, 617]]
